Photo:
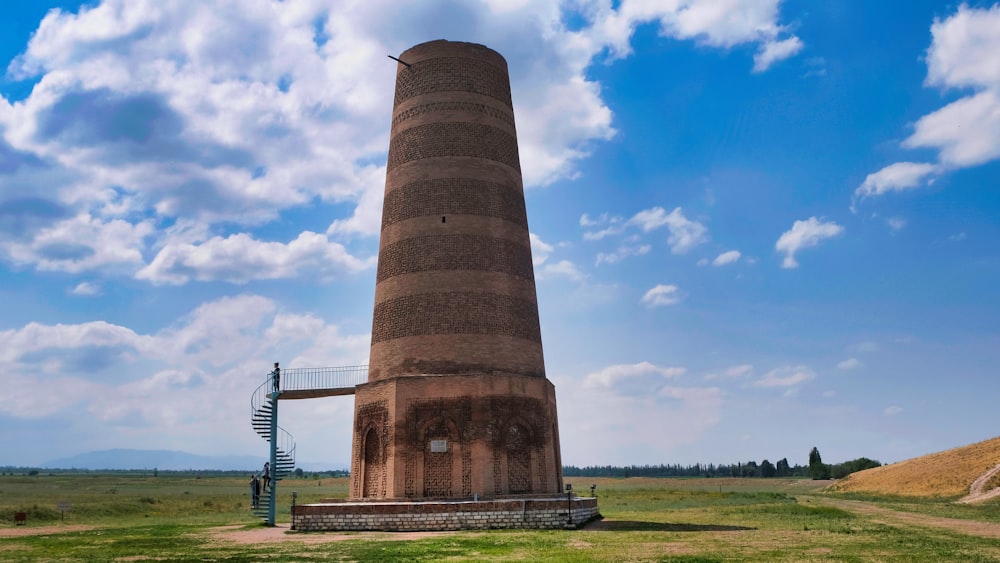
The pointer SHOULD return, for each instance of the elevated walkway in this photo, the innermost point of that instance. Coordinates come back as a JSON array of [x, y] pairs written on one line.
[[310, 383]]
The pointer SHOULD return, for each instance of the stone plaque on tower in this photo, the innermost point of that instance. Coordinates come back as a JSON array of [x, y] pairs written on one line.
[[457, 404]]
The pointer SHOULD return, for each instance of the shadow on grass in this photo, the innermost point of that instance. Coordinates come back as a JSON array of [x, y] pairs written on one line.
[[634, 526]]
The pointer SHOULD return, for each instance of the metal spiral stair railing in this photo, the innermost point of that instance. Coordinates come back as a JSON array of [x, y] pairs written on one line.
[[261, 410], [297, 383]]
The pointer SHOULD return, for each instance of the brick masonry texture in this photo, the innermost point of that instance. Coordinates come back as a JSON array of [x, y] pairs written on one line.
[[552, 513], [453, 139], [456, 354], [451, 196], [470, 107], [452, 74], [455, 252], [457, 403], [455, 313]]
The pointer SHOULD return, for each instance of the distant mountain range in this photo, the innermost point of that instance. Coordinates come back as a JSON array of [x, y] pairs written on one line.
[[168, 460]]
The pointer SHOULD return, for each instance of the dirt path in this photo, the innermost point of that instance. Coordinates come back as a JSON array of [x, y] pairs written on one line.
[[890, 517], [976, 490], [21, 531], [282, 533]]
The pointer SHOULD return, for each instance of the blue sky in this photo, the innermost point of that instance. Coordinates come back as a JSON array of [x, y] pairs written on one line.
[[757, 226]]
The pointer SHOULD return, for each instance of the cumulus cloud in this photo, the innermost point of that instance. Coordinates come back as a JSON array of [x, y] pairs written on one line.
[[685, 234], [637, 402], [716, 24], [773, 51], [785, 376], [86, 289], [610, 375], [728, 257], [965, 132], [103, 374], [561, 269], [804, 234], [240, 258], [540, 250], [732, 372], [661, 295], [896, 178], [849, 364], [153, 113], [622, 253], [82, 243]]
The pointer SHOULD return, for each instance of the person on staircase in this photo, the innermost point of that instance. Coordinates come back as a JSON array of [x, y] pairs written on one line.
[[267, 475]]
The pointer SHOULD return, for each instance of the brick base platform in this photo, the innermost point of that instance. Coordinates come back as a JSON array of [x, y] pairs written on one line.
[[389, 516]]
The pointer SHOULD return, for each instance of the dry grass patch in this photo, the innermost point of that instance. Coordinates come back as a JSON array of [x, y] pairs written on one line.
[[943, 474]]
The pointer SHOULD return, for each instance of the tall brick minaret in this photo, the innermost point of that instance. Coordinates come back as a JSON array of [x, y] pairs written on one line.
[[457, 403]]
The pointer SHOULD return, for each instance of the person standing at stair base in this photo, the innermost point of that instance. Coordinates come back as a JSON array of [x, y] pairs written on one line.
[[254, 491]]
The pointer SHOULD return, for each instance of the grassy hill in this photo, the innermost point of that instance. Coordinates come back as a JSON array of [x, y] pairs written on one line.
[[943, 474]]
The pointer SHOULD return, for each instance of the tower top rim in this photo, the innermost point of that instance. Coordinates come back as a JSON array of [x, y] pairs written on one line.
[[439, 48]]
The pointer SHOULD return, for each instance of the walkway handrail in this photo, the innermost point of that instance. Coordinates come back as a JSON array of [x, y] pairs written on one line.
[[307, 379]]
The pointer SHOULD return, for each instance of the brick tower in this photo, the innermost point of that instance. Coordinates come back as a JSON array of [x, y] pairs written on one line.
[[457, 403]]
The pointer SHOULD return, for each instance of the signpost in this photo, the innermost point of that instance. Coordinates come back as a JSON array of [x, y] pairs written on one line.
[[63, 507]]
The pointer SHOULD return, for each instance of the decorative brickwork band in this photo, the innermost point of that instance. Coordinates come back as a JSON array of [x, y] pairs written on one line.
[[455, 252], [453, 139], [455, 313], [484, 109], [454, 196], [452, 74]]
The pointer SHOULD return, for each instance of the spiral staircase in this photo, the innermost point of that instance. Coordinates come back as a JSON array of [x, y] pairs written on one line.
[[300, 383]]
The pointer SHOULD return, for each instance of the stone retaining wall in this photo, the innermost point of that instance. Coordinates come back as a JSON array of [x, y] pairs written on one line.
[[444, 515]]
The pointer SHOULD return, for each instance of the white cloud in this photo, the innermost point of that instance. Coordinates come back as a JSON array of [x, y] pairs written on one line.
[[685, 234], [965, 132], [963, 52], [240, 258], [732, 372], [774, 51], [201, 369], [86, 289], [562, 268], [82, 243], [662, 295], [728, 257], [804, 234], [631, 416], [622, 253], [605, 232], [611, 375], [540, 250], [896, 224], [849, 364], [712, 23], [892, 410], [785, 376], [154, 113], [896, 178]]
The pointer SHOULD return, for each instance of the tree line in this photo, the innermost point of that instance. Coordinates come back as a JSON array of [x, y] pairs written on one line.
[[765, 469]]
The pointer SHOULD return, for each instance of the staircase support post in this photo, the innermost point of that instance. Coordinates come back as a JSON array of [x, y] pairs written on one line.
[[272, 500]]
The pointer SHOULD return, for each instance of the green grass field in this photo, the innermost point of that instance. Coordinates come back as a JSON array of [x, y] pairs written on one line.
[[130, 517]]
